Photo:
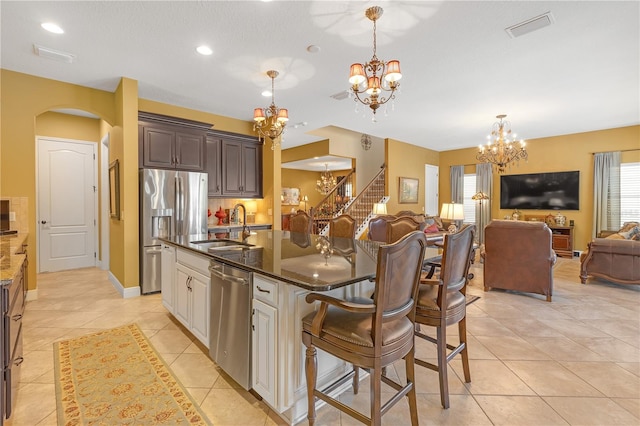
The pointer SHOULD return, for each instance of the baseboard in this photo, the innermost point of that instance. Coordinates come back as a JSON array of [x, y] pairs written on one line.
[[32, 295], [125, 292]]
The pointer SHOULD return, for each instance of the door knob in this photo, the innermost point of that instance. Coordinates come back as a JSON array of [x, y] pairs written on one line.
[[43, 222]]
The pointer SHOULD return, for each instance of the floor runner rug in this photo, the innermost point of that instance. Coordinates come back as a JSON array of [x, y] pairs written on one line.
[[115, 377]]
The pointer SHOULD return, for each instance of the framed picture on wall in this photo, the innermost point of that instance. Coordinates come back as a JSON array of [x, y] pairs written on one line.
[[408, 191], [290, 196], [114, 190]]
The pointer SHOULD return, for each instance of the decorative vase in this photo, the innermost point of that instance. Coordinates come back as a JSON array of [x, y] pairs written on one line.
[[516, 215], [560, 219], [220, 214]]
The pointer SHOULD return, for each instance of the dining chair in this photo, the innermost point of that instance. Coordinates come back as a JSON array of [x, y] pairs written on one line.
[[400, 227], [300, 222], [369, 334], [442, 302], [343, 226]]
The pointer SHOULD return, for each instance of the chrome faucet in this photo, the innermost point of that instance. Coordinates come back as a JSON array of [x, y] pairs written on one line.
[[246, 231]]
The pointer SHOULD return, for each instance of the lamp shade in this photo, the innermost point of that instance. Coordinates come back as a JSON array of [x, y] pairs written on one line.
[[393, 71], [356, 74], [452, 211], [283, 115], [379, 208], [258, 114]]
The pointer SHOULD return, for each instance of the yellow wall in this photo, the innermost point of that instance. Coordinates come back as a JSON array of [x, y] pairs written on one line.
[[306, 182], [405, 160], [68, 127], [553, 154], [24, 98]]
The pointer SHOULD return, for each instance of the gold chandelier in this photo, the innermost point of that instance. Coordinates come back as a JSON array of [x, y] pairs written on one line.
[[375, 76], [270, 122], [327, 182], [501, 148]]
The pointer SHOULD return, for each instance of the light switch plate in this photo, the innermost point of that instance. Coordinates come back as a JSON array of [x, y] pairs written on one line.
[[12, 216]]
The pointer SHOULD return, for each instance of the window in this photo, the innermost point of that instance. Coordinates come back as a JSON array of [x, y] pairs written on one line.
[[469, 190], [629, 192]]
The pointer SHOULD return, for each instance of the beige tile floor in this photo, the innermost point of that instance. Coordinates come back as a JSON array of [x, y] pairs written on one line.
[[573, 361]]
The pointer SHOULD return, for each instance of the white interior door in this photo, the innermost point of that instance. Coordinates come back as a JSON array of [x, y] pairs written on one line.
[[431, 190], [66, 204]]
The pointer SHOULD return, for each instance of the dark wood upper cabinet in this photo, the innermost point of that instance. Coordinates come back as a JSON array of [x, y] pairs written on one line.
[[213, 165], [241, 166], [171, 143]]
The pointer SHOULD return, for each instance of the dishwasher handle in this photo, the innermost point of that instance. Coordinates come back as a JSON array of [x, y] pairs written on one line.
[[226, 277]]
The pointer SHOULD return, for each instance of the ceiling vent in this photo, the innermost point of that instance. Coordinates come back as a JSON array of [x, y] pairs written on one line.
[[55, 55], [344, 94], [530, 25]]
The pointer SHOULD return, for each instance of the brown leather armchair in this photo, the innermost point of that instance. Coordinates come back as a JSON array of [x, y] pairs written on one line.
[[518, 256]]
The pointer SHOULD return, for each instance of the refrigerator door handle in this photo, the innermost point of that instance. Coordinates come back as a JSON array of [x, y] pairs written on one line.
[[179, 206]]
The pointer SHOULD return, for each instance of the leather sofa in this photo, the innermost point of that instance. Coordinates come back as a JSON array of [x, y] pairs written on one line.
[[518, 256], [615, 258]]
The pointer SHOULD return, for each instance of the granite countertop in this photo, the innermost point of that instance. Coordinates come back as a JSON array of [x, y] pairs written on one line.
[[308, 261], [10, 262]]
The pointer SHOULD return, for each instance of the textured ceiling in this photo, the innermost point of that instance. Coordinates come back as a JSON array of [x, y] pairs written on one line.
[[460, 68]]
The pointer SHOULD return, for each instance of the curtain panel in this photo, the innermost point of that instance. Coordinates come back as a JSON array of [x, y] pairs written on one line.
[[484, 183], [606, 192]]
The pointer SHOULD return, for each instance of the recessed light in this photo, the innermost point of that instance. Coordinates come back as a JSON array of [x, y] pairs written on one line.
[[204, 50], [266, 93], [313, 48], [52, 28]]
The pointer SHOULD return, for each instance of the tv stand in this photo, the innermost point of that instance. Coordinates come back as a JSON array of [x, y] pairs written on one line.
[[562, 240]]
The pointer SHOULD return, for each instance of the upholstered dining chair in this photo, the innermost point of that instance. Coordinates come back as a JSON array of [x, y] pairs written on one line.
[[400, 227], [370, 334], [343, 226], [300, 222], [442, 302]]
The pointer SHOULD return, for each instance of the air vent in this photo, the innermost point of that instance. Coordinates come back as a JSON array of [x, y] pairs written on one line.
[[340, 95], [55, 55], [530, 25]]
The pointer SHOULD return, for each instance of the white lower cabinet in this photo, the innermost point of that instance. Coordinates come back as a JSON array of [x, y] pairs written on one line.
[[192, 296], [168, 273], [265, 351], [278, 355]]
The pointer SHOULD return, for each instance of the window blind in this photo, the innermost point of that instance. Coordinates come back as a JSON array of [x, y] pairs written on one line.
[[629, 192]]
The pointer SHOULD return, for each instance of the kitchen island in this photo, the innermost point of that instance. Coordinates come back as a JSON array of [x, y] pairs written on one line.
[[285, 267]]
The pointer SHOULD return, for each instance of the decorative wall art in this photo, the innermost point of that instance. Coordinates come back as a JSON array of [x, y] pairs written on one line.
[[290, 196], [408, 191], [114, 190]]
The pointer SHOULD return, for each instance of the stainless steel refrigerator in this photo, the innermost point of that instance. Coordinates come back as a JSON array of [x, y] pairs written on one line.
[[172, 203]]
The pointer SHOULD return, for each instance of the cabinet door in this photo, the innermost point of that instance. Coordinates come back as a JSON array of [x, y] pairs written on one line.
[[183, 295], [189, 151], [252, 170], [168, 268], [213, 166], [232, 168], [158, 147], [264, 352], [200, 303]]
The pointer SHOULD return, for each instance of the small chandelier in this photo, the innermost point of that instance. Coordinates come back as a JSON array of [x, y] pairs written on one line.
[[270, 122], [327, 182], [365, 141], [374, 76], [501, 148]]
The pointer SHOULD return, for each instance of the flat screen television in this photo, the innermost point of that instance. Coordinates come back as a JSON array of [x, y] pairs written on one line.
[[541, 191]]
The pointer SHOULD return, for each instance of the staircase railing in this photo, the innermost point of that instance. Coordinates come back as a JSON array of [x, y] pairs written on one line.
[[333, 204], [362, 206]]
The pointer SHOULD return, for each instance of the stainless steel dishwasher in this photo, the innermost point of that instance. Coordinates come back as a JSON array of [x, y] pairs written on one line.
[[230, 345]]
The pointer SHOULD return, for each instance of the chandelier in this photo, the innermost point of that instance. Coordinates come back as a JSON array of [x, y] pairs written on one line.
[[270, 122], [325, 184], [375, 76], [501, 148]]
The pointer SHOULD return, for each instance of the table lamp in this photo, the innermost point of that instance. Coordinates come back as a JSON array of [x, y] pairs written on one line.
[[305, 199], [379, 209], [453, 212]]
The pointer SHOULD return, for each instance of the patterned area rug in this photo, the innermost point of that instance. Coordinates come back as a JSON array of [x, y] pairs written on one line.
[[115, 377]]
